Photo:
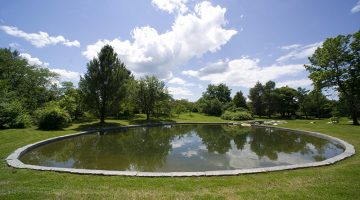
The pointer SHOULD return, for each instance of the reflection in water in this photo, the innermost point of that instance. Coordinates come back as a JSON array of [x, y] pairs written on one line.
[[183, 148]]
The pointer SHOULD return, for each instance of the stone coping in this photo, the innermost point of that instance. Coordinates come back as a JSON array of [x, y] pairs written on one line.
[[13, 159]]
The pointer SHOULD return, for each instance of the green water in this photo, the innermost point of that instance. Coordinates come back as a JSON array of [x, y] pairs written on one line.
[[183, 148]]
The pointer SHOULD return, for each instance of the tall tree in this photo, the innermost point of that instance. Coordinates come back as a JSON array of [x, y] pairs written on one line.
[[239, 100], [27, 83], [286, 99], [150, 92], [256, 97], [103, 85], [222, 92], [337, 65], [269, 98], [302, 96]]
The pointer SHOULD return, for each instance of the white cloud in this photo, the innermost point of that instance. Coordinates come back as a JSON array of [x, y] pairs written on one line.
[[64, 75], [191, 35], [289, 47], [179, 91], [295, 83], [33, 60], [40, 39], [171, 5], [243, 72], [177, 80], [356, 8], [299, 52]]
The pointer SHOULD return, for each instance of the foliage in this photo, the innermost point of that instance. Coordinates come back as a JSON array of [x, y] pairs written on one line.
[[337, 65], [70, 100], [286, 101], [52, 117], [221, 92], [269, 98], [13, 115], [238, 115], [256, 98], [28, 83], [215, 100], [210, 106], [316, 104], [239, 100], [152, 93], [103, 85]]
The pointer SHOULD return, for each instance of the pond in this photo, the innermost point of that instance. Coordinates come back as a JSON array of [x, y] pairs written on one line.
[[183, 148]]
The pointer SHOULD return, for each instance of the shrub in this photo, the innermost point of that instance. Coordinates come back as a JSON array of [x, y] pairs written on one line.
[[238, 115], [52, 117], [13, 115]]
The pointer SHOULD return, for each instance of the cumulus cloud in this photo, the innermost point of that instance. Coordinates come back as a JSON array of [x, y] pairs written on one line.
[[171, 5], [177, 80], [179, 91], [295, 83], [243, 72], [40, 39], [191, 35], [356, 8], [299, 51], [33, 60], [64, 75]]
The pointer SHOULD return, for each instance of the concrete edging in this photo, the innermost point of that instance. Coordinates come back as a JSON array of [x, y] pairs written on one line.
[[13, 159]]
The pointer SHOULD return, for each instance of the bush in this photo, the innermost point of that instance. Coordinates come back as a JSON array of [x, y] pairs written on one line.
[[52, 117], [210, 106], [239, 115], [13, 115]]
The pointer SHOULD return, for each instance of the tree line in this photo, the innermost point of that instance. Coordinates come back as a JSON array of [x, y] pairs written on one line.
[[31, 94]]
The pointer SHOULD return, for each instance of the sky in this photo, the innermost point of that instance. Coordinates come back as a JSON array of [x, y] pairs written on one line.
[[186, 43]]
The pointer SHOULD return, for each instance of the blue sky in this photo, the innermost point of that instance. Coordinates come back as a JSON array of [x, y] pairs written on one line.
[[187, 43]]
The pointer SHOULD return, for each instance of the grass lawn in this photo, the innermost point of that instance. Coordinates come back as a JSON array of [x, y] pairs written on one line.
[[338, 181]]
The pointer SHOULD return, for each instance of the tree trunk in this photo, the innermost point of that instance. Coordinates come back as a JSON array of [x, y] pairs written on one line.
[[354, 117], [102, 118], [353, 111], [147, 115]]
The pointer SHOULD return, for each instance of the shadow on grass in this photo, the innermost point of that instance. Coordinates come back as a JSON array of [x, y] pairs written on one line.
[[151, 121], [96, 125], [91, 125]]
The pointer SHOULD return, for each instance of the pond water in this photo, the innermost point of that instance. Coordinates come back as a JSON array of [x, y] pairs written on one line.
[[180, 148]]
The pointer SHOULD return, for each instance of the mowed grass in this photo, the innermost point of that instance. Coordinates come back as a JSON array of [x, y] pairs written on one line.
[[338, 181]]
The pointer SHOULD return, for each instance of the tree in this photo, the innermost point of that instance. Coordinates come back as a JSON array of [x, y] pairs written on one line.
[[256, 97], [221, 92], [70, 100], [302, 96], [24, 82], [215, 99], [150, 92], [286, 101], [103, 85], [269, 98], [239, 100], [337, 65], [317, 104]]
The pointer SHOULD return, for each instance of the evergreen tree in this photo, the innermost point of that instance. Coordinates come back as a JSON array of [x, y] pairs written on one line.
[[103, 85]]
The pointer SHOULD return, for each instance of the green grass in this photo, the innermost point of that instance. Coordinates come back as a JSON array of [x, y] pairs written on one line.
[[338, 181]]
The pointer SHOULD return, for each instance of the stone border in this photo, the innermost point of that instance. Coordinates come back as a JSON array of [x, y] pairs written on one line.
[[13, 159]]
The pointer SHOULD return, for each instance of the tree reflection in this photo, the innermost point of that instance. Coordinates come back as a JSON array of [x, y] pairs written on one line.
[[270, 142], [218, 138], [147, 149]]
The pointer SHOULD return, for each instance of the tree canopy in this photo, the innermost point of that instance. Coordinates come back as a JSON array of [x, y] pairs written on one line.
[[104, 84], [150, 93], [336, 64]]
